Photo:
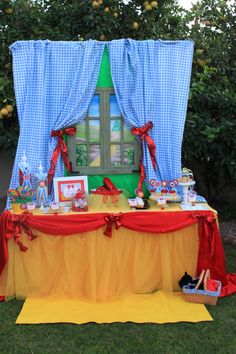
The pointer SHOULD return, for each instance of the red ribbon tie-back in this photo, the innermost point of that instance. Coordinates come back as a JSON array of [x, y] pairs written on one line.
[[110, 219], [16, 224], [60, 148], [207, 223], [143, 133]]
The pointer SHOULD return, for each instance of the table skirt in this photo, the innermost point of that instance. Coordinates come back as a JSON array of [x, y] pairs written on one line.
[[92, 266]]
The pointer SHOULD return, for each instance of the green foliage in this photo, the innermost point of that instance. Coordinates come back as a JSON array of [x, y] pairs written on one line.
[[209, 143], [81, 155], [129, 156]]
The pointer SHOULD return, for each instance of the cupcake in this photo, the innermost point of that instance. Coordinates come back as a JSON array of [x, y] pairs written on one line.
[[164, 192]]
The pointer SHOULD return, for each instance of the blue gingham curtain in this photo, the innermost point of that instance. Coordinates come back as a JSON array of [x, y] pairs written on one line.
[[151, 81], [54, 84]]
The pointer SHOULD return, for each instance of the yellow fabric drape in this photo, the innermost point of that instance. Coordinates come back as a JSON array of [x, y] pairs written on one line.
[[93, 266], [161, 307]]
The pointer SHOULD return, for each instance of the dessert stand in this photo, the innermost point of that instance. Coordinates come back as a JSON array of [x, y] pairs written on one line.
[[186, 186]]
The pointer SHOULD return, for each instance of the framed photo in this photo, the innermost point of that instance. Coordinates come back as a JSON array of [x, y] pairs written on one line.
[[65, 188]]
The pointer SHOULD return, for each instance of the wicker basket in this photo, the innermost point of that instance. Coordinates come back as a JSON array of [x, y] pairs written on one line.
[[202, 296]]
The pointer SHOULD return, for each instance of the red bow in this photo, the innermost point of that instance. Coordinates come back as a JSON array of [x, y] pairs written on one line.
[[14, 229], [60, 148], [110, 219], [143, 133], [210, 219]]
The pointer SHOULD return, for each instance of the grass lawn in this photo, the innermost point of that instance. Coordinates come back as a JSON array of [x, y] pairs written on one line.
[[216, 337]]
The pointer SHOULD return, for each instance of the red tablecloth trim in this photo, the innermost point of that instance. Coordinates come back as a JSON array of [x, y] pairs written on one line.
[[210, 254]]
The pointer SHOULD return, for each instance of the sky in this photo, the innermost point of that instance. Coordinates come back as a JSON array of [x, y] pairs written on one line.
[[187, 3]]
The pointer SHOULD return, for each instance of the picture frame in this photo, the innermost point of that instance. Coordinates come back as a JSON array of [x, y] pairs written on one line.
[[65, 188]]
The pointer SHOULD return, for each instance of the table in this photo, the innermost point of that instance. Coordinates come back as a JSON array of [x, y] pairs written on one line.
[[102, 255]]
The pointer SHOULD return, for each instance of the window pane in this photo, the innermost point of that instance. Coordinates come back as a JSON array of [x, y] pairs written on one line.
[[114, 109], [81, 132], [94, 156], [115, 130], [128, 136], [94, 131], [94, 107], [115, 155], [81, 155], [128, 155]]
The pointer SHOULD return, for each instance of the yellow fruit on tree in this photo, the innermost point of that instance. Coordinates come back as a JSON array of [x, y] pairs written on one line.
[[148, 7], [154, 4], [4, 112], [107, 9], [145, 3], [9, 10], [95, 3], [135, 25], [102, 37], [10, 108], [100, 2], [8, 66], [115, 14], [199, 51], [200, 62]]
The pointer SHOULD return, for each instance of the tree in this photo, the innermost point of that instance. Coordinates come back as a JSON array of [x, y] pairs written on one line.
[[75, 20], [209, 140], [209, 143]]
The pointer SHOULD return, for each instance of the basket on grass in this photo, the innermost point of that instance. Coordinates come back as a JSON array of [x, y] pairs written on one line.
[[209, 295]]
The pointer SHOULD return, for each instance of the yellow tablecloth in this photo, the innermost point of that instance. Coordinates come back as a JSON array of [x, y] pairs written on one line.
[[93, 266]]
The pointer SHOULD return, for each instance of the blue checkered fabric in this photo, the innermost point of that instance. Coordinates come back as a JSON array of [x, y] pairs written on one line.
[[54, 83], [151, 80]]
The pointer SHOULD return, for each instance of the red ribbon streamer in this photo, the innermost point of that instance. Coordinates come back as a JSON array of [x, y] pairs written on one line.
[[110, 219], [20, 177], [212, 257], [60, 148], [143, 133], [206, 226]]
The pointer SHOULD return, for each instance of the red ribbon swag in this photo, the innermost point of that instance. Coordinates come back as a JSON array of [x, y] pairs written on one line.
[[143, 133], [60, 148], [210, 254]]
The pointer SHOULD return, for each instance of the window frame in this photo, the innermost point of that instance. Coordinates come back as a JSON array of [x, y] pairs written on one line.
[[105, 139]]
